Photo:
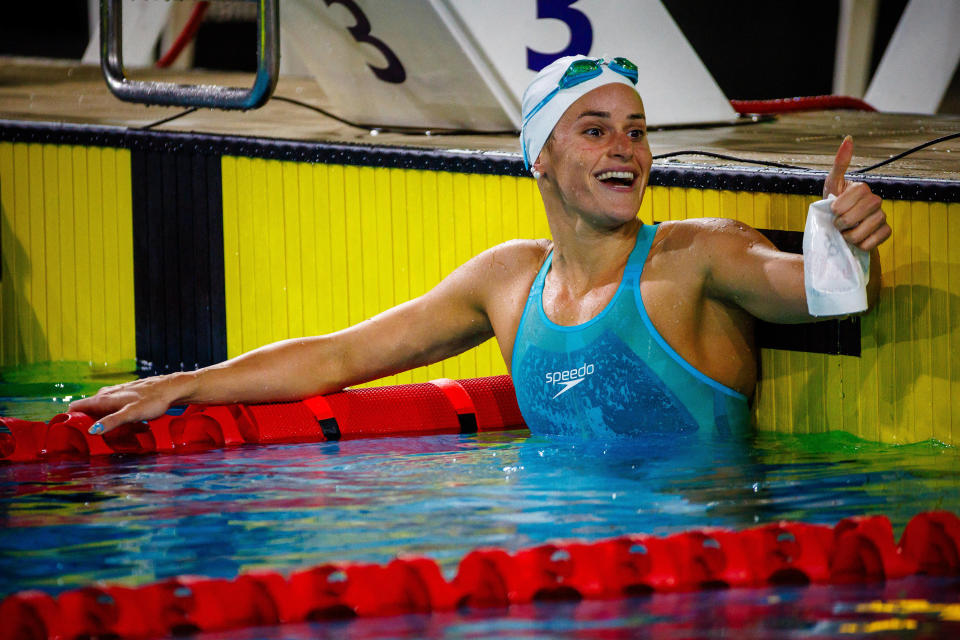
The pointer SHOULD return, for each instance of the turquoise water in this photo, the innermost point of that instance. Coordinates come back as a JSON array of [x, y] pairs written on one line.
[[136, 520]]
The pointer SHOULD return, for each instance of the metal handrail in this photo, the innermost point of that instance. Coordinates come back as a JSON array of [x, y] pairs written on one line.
[[172, 94]]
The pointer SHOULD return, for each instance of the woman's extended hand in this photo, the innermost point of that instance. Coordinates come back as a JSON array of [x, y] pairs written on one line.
[[132, 401]]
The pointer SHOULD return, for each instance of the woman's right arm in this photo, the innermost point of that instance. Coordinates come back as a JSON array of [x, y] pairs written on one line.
[[445, 321]]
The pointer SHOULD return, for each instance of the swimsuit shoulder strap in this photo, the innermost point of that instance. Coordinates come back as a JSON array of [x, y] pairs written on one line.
[[638, 257]]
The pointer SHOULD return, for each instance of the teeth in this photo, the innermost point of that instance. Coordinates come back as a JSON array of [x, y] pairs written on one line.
[[622, 175]]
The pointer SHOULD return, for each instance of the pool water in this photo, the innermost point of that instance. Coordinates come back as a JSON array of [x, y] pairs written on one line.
[[133, 520]]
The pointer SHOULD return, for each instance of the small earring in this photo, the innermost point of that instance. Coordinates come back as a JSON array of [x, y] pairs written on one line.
[[536, 174]]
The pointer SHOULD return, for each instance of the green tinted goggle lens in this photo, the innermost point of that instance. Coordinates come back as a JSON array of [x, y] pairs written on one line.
[[626, 68], [579, 71]]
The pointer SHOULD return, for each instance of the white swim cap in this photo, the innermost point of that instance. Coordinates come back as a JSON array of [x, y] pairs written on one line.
[[544, 101]]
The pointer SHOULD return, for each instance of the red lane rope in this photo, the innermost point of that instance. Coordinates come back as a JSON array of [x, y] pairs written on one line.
[[442, 406], [857, 549], [808, 103], [187, 34]]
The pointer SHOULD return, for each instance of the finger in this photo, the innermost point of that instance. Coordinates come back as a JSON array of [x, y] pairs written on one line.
[[114, 420], [85, 405], [835, 183], [876, 238], [872, 223]]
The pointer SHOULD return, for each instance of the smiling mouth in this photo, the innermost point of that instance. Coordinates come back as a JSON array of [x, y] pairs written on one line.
[[617, 178]]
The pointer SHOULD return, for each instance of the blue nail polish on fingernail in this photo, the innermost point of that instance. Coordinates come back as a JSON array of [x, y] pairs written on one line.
[[96, 429]]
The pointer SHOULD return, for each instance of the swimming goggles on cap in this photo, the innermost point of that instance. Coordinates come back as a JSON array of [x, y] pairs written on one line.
[[578, 72]]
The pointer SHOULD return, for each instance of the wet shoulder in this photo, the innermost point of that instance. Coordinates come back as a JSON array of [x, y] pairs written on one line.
[[504, 275], [515, 260], [703, 236]]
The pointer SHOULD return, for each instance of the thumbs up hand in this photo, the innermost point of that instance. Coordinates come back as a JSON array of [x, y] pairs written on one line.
[[858, 210]]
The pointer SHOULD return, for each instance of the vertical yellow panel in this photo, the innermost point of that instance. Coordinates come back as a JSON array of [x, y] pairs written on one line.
[[435, 244], [308, 248], [50, 205], [38, 265], [761, 208], [448, 215], [342, 276], [232, 255], [325, 247], [290, 225], [26, 318], [9, 248], [660, 203], [711, 203], [276, 246], [111, 263], [400, 240], [84, 247], [367, 226], [540, 227], [525, 198], [884, 330], [728, 205], [467, 200], [400, 267], [416, 232], [255, 238], [920, 318], [953, 248], [693, 199], [495, 235], [128, 332], [249, 241], [678, 204], [764, 400], [816, 391], [834, 387], [509, 208], [378, 228], [262, 241], [903, 330], [869, 384], [96, 214], [646, 208], [941, 400], [744, 211], [353, 232]]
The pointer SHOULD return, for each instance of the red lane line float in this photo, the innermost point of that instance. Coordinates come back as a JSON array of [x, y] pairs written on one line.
[[858, 549], [806, 103], [441, 406]]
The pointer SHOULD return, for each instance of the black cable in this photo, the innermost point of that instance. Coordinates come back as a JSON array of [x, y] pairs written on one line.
[[170, 119], [907, 152], [318, 110], [721, 156], [381, 128]]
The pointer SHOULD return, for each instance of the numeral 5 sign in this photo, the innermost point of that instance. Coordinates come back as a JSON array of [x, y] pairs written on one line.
[[581, 32]]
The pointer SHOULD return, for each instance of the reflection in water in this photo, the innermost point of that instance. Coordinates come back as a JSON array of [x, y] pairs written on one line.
[[135, 520]]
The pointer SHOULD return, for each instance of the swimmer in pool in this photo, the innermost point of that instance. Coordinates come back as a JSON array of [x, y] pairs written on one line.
[[614, 326]]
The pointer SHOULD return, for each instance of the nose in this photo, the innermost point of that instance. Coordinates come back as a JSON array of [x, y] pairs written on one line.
[[620, 146]]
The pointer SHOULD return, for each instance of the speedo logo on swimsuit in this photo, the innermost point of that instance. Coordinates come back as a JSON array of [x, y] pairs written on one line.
[[569, 378]]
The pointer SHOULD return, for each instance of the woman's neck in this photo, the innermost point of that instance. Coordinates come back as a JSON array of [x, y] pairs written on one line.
[[585, 257]]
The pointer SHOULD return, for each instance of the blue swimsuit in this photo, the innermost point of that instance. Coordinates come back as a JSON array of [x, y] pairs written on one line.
[[615, 374]]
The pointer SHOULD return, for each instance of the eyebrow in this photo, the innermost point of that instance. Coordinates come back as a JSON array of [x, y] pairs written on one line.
[[606, 114]]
